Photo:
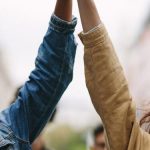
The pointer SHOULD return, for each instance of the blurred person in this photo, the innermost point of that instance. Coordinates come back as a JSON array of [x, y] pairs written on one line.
[[99, 138], [39, 143], [23, 121], [5, 81], [15, 95], [108, 86]]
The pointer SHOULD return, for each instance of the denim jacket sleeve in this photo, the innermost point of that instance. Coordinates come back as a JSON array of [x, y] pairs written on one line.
[[47, 82]]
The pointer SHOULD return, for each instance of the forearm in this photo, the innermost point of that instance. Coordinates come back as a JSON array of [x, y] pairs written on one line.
[[63, 10], [89, 14], [47, 82], [53, 72], [105, 79], [108, 87]]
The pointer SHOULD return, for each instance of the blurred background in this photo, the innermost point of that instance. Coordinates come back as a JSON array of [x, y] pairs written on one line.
[[22, 27]]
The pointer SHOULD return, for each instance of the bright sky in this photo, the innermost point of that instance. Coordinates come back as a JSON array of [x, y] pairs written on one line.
[[24, 23]]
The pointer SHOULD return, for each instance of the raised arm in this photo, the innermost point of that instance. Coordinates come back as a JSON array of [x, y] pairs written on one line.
[[48, 81], [89, 14], [63, 10], [106, 82]]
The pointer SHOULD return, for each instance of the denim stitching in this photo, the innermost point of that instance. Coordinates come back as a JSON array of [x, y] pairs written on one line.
[[58, 81]]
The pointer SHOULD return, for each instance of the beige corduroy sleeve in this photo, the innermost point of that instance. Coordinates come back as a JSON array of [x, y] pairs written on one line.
[[109, 92]]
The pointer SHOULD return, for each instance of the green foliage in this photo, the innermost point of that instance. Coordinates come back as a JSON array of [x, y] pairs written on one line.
[[65, 138]]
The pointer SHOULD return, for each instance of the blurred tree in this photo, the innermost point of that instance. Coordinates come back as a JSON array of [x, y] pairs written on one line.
[[65, 138], [5, 83]]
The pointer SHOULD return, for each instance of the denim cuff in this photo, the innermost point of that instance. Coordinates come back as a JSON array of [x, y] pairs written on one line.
[[62, 26]]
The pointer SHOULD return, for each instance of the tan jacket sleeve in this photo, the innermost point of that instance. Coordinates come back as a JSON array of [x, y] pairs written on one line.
[[109, 91]]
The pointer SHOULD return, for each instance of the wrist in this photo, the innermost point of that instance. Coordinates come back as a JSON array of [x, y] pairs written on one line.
[[64, 10]]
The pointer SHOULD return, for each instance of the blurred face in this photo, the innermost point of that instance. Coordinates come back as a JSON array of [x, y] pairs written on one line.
[[100, 142], [38, 144]]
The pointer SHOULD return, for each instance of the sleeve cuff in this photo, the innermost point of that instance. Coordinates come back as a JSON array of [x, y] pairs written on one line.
[[62, 26], [94, 36]]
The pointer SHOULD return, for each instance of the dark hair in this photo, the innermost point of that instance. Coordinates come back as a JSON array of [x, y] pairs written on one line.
[[98, 130], [146, 121], [53, 116], [15, 95]]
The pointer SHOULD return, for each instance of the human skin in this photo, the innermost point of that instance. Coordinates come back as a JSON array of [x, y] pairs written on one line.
[[89, 15], [63, 10]]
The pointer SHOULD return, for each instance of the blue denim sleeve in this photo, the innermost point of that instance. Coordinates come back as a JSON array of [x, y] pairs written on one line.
[[47, 82]]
